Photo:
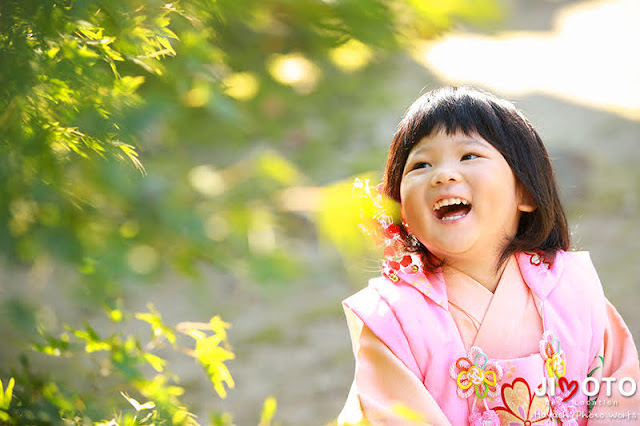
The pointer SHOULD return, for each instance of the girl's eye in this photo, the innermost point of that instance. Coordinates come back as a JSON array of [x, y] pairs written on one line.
[[421, 165], [469, 157]]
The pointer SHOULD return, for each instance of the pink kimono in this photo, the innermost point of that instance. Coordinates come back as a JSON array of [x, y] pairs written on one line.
[[456, 353]]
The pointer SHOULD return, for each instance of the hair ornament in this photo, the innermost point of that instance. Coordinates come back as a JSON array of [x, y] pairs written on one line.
[[381, 220], [380, 217]]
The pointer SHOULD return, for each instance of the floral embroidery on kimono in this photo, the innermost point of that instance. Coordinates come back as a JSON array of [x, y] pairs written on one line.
[[521, 406]]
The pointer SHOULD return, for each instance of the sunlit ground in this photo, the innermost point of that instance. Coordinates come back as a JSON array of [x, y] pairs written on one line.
[[589, 58]]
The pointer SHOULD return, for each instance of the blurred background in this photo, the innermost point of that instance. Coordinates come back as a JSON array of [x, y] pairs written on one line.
[[176, 212]]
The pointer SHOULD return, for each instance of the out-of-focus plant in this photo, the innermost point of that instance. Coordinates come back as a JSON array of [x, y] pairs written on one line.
[[210, 353], [268, 411], [84, 82], [139, 136], [5, 399], [120, 358]]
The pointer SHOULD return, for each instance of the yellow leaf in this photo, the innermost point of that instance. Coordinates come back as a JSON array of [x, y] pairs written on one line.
[[165, 43], [278, 168], [131, 152], [170, 33], [183, 417], [155, 361], [97, 346], [52, 52], [6, 395], [268, 411], [86, 52], [218, 327], [212, 357], [113, 54], [154, 319]]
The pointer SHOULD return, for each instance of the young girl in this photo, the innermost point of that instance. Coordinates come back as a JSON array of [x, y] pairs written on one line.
[[484, 317]]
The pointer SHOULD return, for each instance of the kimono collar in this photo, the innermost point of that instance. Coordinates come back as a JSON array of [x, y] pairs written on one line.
[[540, 273], [409, 270]]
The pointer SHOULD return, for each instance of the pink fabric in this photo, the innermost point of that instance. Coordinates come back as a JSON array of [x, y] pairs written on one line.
[[394, 313], [618, 358], [418, 320], [514, 328]]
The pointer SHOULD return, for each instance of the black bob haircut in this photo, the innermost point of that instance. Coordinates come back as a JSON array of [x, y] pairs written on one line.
[[472, 111]]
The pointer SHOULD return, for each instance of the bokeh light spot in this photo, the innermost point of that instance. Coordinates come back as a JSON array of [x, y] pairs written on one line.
[[242, 86], [142, 259], [294, 70], [206, 180], [198, 95], [216, 228], [351, 56], [129, 229], [261, 235]]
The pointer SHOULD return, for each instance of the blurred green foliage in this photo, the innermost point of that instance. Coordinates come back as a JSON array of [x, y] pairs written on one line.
[[119, 360], [139, 137]]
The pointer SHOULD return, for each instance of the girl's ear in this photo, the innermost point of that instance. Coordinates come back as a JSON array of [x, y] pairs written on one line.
[[526, 203]]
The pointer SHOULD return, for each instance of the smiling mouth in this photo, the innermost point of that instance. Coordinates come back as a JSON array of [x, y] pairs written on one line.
[[450, 209]]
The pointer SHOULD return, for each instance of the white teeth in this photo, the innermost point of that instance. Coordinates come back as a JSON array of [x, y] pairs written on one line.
[[449, 202], [460, 216]]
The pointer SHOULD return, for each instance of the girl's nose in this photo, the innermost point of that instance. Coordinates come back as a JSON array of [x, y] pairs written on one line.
[[445, 175]]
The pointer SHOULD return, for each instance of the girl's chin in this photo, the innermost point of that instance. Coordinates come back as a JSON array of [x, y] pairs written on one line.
[[450, 252], [461, 255]]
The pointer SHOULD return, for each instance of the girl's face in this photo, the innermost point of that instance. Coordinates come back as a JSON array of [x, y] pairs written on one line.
[[460, 198]]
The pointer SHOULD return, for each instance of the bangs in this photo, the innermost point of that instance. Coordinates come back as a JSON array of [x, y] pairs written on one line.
[[452, 112]]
